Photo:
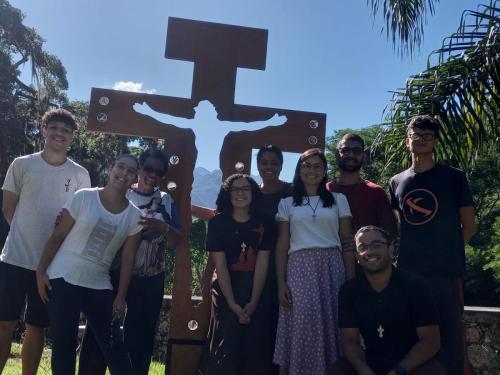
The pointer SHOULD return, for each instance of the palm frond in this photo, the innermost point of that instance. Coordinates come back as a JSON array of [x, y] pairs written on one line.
[[460, 87], [404, 21]]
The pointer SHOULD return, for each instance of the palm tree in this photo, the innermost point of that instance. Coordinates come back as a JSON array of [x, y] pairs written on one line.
[[460, 87], [404, 21]]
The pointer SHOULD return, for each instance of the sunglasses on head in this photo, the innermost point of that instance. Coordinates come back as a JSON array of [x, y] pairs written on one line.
[[150, 169]]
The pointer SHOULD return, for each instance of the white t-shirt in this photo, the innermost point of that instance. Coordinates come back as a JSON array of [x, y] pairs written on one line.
[[42, 189], [88, 250], [309, 232]]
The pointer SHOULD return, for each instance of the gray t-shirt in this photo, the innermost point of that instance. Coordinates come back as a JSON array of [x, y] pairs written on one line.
[[42, 189]]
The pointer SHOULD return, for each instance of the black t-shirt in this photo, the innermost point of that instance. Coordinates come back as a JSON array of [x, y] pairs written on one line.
[[240, 241], [431, 233], [268, 204], [387, 320]]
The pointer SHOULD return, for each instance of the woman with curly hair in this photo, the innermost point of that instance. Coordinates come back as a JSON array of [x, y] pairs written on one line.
[[239, 241]]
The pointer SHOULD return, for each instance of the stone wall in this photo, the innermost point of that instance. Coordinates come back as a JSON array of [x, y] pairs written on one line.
[[482, 326], [482, 330]]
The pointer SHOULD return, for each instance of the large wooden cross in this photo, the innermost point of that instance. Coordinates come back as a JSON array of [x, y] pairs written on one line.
[[217, 51]]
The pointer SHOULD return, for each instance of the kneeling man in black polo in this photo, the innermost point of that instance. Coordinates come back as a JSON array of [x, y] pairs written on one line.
[[393, 312]]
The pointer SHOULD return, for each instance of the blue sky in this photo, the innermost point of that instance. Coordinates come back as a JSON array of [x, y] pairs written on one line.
[[323, 56]]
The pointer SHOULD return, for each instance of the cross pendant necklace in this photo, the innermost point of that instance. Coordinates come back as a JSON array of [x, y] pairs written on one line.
[[243, 247], [315, 207], [380, 331]]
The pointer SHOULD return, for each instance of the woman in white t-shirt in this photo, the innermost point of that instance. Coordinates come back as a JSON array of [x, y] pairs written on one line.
[[75, 264], [314, 255]]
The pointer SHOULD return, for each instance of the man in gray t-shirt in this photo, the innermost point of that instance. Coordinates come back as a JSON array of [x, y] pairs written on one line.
[[34, 190]]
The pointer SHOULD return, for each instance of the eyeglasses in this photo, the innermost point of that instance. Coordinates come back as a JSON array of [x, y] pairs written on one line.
[[237, 190], [424, 136], [351, 150], [312, 167], [150, 169], [374, 245]]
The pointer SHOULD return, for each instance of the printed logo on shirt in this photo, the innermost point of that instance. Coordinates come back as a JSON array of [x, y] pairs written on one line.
[[66, 185], [99, 239], [419, 206]]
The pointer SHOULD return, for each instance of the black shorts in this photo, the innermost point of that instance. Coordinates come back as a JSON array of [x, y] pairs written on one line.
[[17, 288]]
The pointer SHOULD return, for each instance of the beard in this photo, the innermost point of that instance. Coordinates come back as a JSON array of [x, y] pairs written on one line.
[[349, 167]]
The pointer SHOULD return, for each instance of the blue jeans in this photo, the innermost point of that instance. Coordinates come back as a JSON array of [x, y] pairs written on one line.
[[66, 303]]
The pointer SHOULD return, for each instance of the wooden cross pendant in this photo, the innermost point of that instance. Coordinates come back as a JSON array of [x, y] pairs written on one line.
[[380, 331]]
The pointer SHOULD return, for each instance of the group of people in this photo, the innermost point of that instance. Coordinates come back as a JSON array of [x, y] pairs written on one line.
[[72, 249], [333, 301], [305, 278]]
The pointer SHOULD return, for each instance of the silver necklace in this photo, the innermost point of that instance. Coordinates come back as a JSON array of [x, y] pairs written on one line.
[[315, 207]]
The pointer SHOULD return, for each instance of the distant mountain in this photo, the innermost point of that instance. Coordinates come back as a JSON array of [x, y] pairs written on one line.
[[206, 186]]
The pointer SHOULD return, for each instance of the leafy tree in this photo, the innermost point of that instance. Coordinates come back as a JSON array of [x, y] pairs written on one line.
[[482, 277], [461, 89], [374, 168], [21, 104], [199, 256]]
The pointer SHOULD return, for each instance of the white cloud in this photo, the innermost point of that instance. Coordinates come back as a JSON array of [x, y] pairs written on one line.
[[131, 86]]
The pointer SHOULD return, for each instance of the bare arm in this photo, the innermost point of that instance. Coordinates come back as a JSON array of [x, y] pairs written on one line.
[[354, 352], [50, 250], [427, 346], [347, 240], [282, 247], [128, 255], [9, 204], [202, 213], [259, 278], [169, 232], [468, 220], [173, 235]]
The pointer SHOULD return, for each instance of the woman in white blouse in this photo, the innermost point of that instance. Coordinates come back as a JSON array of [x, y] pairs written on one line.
[[73, 274], [314, 255]]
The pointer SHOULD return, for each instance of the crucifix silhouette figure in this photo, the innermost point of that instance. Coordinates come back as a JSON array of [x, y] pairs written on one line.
[[217, 51], [205, 130]]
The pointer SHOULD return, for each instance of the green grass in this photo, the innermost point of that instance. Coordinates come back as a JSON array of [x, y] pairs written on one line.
[[13, 366]]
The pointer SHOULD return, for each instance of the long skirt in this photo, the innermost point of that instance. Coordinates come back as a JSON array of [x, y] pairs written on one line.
[[308, 340], [234, 348]]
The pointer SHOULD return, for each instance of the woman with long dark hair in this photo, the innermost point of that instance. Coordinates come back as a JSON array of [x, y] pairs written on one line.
[[239, 242], [73, 273], [314, 255]]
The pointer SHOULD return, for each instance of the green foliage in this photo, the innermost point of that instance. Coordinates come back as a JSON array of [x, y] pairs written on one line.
[[482, 278], [199, 255], [374, 168], [460, 88], [404, 21], [13, 365], [199, 258]]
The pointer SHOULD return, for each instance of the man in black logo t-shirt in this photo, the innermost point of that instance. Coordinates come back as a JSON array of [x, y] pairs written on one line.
[[436, 213]]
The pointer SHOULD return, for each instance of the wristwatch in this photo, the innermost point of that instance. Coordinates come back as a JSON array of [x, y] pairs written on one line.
[[399, 370]]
